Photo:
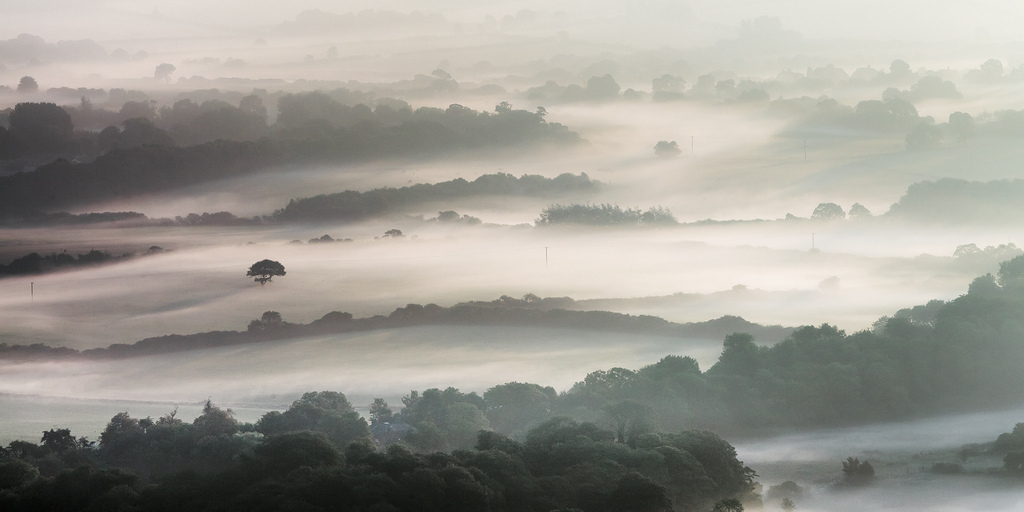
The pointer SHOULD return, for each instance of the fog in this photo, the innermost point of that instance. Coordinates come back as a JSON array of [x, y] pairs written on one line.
[[903, 454], [774, 107], [766, 275]]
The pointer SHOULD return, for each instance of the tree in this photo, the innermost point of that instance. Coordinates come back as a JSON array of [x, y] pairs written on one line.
[[666, 149], [15, 473], [264, 270], [270, 320], [59, 440], [215, 421], [602, 87], [326, 412], [993, 68], [40, 127], [856, 472], [1011, 272], [787, 505], [924, 136], [163, 71], [859, 211], [380, 412], [728, 505], [828, 211], [899, 67], [962, 125], [28, 85], [630, 419], [668, 83], [637, 493]]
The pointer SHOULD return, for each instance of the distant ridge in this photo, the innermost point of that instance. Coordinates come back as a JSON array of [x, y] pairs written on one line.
[[530, 311]]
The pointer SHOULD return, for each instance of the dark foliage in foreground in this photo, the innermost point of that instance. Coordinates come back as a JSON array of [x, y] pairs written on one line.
[[317, 455]]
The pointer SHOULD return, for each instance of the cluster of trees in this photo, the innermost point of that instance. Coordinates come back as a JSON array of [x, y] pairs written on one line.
[[319, 454], [954, 201], [49, 129], [964, 355], [832, 211], [1011, 446], [598, 88], [143, 157], [944, 201], [604, 215], [899, 81], [352, 205], [36, 263], [896, 113]]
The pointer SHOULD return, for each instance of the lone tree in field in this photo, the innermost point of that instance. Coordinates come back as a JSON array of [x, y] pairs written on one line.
[[262, 271]]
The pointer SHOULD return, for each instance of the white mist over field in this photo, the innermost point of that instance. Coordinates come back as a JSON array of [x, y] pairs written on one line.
[[766, 133]]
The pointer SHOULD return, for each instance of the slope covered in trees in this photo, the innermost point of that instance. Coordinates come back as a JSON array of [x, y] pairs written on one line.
[[151, 162]]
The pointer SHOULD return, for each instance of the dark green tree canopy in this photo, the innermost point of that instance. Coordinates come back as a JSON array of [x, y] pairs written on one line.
[[264, 270]]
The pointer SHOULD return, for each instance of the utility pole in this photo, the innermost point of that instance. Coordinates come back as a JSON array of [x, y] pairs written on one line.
[[545, 257], [691, 145], [812, 241], [805, 149], [32, 290]]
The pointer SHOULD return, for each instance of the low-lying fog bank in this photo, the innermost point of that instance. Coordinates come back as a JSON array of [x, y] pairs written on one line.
[[364, 365], [902, 455], [386, 362], [764, 273]]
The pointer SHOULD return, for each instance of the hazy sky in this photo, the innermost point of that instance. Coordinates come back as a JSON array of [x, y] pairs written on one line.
[[871, 19]]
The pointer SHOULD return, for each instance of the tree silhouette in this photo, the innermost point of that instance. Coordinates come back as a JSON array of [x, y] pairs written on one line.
[[28, 85], [163, 71], [264, 270], [667, 149], [828, 211]]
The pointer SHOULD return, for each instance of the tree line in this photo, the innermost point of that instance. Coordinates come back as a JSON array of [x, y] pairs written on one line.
[[320, 454], [505, 311], [312, 129], [351, 205]]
